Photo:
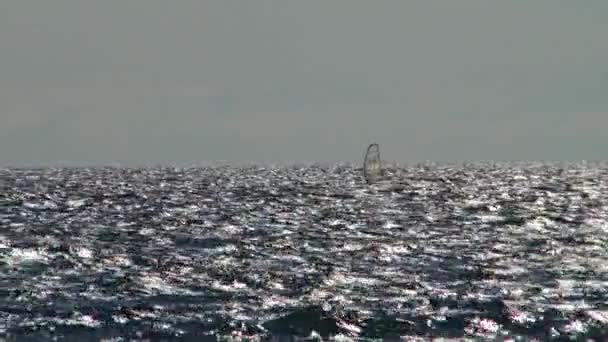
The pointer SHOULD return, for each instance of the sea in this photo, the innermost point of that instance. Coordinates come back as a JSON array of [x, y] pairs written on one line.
[[305, 252]]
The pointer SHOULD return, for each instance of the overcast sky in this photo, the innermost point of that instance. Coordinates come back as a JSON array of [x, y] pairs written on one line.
[[156, 81]]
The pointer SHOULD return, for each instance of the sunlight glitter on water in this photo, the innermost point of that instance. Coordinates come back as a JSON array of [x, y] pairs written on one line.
[[452, 251]]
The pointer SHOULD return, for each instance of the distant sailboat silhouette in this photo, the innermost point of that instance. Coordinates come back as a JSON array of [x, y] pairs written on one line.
[[372, 165]]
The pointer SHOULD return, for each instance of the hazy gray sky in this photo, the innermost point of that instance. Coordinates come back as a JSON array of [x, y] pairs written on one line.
[[148, 81]]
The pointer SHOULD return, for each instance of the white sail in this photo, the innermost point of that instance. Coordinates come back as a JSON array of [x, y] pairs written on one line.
[[372, 167]]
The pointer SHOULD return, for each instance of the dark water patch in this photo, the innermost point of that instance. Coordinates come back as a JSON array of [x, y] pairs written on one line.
[[393, 327], [188, 241], [302, 322]]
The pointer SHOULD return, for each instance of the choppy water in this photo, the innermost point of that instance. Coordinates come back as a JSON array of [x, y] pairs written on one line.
[[480, 250]]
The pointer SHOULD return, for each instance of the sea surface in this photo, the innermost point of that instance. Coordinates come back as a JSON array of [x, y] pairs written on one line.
[[305, 252]]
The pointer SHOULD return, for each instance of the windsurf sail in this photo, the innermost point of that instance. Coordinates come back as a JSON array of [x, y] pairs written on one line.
[[372, 164]]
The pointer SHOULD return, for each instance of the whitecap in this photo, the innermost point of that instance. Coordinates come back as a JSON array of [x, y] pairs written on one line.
[[234, 287], [391, 225], [598, 315], [84, 252], [28, 255], [575, 326], [77, 203]]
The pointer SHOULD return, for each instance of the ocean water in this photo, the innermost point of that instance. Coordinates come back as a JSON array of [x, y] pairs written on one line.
[[305, 252]]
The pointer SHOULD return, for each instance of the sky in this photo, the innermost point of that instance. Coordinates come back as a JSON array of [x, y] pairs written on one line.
[[188, 81]]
